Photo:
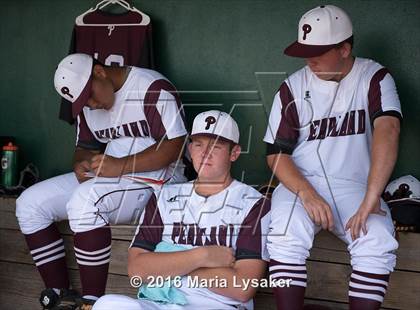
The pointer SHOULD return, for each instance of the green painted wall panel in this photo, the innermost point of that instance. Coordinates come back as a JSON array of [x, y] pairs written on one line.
[[220, 54]]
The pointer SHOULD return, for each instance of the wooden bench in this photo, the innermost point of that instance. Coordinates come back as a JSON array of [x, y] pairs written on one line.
[[328, 269]]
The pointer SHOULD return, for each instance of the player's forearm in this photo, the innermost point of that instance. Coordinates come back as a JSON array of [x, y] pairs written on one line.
[[153, 264], [383, 156], [81, 154], [155, 157], [288, 174], [237, 285]]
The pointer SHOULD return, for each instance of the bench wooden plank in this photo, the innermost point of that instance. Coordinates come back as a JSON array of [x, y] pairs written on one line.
[[327, 247], [20, 285], [328, 266], [327, 281]]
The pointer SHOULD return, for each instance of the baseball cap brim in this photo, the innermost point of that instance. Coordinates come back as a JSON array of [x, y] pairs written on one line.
[[297, 49], [81, 101], [214, 136]]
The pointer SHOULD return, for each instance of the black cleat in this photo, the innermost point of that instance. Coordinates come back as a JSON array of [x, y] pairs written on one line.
[[66, 300]]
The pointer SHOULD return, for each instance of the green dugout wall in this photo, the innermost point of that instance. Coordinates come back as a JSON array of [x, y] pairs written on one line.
[[224, 54]]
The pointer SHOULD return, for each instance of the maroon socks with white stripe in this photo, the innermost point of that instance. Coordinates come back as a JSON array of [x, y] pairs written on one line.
[[367, 290], [93, 251], [290, 295], [47, 249]]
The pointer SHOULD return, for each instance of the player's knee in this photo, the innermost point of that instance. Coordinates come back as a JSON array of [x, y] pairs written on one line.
[[375, 250], [83, 196], [28, 212], [289, 248], [81, 210], [291, 236]]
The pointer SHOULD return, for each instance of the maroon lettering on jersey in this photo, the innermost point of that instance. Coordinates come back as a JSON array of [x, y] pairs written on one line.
[[201, 233], [181, 237], [222, 234], [133, 129], [144, 128], [100, 133], [323, 129], [197, 236], [313, 130], [352, 123], [126, 130], [191, 233], [332, 127], [344, 124], [362, 121], [176, 230], [328, 127], [213, 240], [231, 231]]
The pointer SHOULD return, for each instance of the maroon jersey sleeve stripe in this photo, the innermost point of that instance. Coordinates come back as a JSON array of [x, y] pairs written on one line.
[[85, 138], [288, 132], [157, 128], [375, 97], [150, 230], [374, 93], [249, 242]]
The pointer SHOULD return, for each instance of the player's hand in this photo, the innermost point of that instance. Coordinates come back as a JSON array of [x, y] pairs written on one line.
[[80, 168], [358, 220], [218, 256], [318, 209], [107, 166]]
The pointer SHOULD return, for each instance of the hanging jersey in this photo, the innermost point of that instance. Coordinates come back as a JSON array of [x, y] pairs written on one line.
[[327, 126], [237, 217]]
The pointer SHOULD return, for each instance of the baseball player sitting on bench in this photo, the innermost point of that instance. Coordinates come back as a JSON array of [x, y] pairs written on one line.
[[221, 223], [332, 141], [135, 115]]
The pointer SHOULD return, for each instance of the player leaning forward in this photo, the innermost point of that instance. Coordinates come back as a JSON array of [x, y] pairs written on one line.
[[332, 142], [221, 222], [136, 116]]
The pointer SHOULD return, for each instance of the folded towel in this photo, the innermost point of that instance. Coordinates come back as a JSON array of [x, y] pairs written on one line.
[[166, 294]]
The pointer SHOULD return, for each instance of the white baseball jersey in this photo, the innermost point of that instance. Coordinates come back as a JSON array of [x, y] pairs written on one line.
[[237, 217], [327, 126], [147, 108]]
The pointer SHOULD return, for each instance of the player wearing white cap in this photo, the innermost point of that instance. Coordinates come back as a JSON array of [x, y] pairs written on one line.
[[332, 142], [221, 222], [129, 121]]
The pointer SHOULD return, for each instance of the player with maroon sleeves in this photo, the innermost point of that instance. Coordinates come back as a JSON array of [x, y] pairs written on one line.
[[332, 141], [220, 222], [129, 122]]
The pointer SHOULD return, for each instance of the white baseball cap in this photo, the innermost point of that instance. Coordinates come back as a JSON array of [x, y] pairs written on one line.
[[320, 29], [404, 188], [73, 80], [216, 124]]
